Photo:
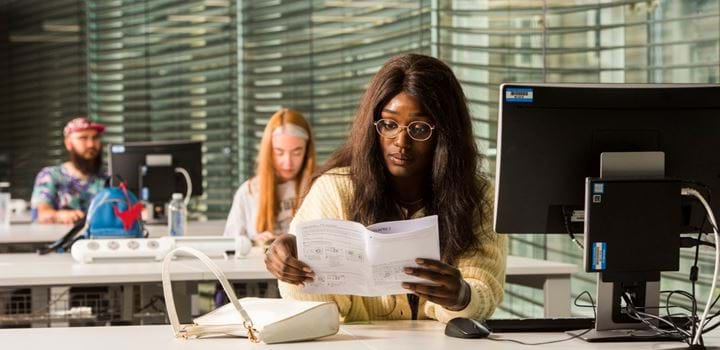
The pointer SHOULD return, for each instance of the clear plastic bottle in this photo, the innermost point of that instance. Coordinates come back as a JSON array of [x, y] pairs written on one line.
[[177, 215], [5, 209]]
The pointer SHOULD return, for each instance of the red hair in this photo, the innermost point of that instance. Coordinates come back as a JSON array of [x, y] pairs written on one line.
[[269, 203]]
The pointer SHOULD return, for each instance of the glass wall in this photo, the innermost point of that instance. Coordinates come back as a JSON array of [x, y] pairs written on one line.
[[317, 57], [42, 85], [167, 70]]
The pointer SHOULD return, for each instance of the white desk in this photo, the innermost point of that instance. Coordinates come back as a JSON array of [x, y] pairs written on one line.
[[195, 228], [391, 335], [550, 276], [48, 233], [41, 272], [32, 270], [32, 233]]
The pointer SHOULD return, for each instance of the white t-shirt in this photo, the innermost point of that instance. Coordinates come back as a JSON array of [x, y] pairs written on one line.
[[244, 210]]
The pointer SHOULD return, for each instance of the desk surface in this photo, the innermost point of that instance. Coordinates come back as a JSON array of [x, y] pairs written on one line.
[[46, 233], [395, 335], [32, 233], [30, 269], [35, 233], [519, 265]]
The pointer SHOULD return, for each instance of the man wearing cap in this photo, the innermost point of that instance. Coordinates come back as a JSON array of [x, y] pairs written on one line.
[[62, 193]]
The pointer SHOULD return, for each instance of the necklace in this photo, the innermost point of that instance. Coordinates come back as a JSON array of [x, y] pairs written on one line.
[[405, 207], [409, 204]]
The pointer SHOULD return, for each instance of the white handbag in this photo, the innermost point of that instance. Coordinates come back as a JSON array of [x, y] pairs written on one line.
[[259, 319]]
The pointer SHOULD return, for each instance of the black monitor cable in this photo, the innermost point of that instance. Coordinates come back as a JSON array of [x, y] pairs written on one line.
[[692, 318], [592, 305], [646, 318], [694, 270], [567, 216], [491, 337]]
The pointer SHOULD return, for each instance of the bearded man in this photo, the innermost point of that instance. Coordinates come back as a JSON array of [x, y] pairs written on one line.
[[62, 193]]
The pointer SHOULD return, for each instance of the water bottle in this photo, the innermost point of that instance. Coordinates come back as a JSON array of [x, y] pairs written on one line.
[[5, 209], [177, 215]]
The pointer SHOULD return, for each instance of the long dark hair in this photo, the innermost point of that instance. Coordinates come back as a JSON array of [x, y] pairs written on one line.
[[456, 187]]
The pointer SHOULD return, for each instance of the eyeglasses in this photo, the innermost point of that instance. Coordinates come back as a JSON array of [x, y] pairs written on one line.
[[417, 130]]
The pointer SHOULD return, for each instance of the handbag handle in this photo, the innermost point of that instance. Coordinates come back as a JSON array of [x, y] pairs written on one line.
[[227, 287]]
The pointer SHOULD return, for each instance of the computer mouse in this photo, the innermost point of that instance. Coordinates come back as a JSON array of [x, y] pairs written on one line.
[[461, 327]]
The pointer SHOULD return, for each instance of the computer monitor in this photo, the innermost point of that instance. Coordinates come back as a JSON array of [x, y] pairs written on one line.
[[552, 139], [152, 169]]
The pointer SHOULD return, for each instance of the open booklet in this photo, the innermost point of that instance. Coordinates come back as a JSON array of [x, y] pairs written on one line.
[[349, 258]]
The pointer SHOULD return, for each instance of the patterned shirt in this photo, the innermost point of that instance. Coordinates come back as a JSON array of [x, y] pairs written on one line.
[[55, 186]]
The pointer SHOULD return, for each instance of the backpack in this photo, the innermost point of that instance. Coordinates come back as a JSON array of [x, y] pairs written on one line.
[[114, 213]]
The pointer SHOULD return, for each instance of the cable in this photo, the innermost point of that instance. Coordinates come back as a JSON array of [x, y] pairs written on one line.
[[690, 242], [694, 268], [694, 193], [704, 320], [592, 302], [592, 305], [566, 221], [645, 318], [540, 343], [645, 315], [670, 293], [188, 182], [151, 304], [693, 279], [46, 308]]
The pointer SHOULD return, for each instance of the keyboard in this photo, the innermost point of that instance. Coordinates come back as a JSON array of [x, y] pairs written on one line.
[[507, 325]]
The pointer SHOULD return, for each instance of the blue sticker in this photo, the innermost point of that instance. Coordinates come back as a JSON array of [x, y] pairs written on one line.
[[117, 149], [523, 95], [598, 188], [598, 256]]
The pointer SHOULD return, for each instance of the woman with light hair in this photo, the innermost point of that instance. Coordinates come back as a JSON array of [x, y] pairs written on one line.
[[264, 205]]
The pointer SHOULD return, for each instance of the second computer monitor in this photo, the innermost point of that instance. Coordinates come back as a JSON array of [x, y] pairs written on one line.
[[155, 170], [550, 138]]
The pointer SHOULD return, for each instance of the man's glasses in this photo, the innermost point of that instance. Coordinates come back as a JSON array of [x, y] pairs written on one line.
[[417, 130]]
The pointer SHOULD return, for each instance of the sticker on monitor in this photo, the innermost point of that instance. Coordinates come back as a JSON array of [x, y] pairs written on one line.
[[598, 256], [117, 149], [522, 95], [598, 188]]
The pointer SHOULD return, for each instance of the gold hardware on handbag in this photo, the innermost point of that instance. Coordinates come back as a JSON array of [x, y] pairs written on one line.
[[258, 319]]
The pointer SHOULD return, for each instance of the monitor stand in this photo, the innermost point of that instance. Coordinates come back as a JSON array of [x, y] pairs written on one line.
[[154, 214], [610, 324]]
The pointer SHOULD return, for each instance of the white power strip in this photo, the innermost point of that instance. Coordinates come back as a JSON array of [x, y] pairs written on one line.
[[89, 250]]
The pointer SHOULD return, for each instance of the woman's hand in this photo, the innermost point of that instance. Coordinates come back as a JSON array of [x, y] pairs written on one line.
[[281, 260], [447, 288]]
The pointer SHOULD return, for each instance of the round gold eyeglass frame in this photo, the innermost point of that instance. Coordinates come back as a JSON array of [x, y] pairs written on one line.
[[401, 127]]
